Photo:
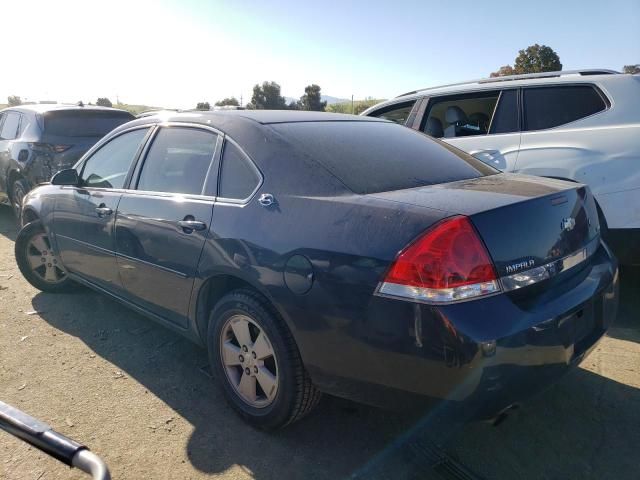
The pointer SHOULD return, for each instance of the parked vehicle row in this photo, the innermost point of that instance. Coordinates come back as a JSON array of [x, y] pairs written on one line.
[[330, 253], [38, 140], [582, 126]]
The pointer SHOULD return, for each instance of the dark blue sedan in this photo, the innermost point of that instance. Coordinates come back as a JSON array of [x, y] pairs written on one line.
[[329, 253]]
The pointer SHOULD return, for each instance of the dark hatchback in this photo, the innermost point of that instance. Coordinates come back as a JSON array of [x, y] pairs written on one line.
[[329, 253], [38, 140]]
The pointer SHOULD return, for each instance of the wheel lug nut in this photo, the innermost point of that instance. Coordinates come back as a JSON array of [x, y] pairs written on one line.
[[255, 369], [247, 371], [241, 358], [244, 348], [49, 265]]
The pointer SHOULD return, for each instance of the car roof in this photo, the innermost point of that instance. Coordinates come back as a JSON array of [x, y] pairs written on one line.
[[48, 107], [511, 81]]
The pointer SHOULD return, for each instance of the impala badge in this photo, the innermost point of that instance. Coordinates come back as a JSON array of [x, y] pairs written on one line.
[[568, 224]]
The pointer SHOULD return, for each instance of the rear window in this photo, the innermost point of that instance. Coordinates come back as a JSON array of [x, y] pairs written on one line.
[[79, 123], [372, 157], [548, 107]]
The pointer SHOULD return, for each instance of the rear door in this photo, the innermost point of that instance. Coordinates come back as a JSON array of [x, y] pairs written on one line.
[[485, 124], [85, 215], [163, 220]]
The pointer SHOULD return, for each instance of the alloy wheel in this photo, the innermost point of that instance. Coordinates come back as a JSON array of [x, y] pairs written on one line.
[[43, 261], [249, 361]]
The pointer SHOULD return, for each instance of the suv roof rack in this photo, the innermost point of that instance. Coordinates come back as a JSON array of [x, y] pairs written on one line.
[[508, 78]]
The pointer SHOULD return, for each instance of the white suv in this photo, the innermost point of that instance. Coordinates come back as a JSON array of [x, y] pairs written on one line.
[[582, 126]]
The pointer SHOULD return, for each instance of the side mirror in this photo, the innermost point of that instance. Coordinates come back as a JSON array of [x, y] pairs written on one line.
[[66, 177]]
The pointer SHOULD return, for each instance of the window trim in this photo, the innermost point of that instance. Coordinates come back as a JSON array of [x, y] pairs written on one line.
[[132, 184], [598, 90], [235, 201], [81, 164]]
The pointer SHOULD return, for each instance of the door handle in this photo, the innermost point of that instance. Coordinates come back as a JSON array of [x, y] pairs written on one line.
[[103, 211], [190, 225]]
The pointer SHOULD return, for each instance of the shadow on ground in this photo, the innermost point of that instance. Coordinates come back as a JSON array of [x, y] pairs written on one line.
[[586, 426], [8, 223]]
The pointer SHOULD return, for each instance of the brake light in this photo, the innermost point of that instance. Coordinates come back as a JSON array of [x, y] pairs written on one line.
[[60, 148], [447, 263], [48, 147]]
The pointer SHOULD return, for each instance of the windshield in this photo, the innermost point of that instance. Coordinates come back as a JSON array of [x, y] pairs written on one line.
[[365, 156]]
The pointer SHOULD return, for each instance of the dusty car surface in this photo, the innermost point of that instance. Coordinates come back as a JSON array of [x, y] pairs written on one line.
[[329, 253]]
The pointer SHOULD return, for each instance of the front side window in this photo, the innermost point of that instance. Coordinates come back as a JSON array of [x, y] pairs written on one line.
[[547, 107], [238, 176], [10, 126], [460, 115], [396, 113], [178, 161], [108, 167]]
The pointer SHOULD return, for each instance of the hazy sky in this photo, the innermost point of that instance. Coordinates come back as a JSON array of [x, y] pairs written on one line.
[[176, 53]]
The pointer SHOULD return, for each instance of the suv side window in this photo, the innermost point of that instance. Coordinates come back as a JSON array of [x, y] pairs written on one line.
[[239, 177], [506, 118], [108, 167], [178, 161], [547, 107], [10, 126], [398, 113], [460, 115]]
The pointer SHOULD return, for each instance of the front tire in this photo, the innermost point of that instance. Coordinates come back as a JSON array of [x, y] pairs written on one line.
[[254, 357], [37, 261]]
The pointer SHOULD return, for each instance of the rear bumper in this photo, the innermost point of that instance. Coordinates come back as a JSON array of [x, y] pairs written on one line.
[[484, 355]]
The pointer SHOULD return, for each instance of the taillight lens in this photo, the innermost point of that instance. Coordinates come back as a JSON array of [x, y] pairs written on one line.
[[47, 147], [60, 148], [447, 263]]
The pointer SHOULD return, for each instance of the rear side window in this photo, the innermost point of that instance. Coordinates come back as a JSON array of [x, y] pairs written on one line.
[[108, 167], [547, 107], [238, 176], [505, 120], [460, 115], [396, 113], [371, 157], [178, 161], [83, 123], [10, 126]]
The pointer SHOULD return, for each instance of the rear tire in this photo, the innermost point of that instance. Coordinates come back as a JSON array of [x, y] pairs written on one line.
[[18, 191], [37, 261], [286, 394]]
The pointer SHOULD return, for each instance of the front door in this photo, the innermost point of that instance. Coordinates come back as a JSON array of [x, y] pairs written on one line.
[[162, 224], [84, 216]]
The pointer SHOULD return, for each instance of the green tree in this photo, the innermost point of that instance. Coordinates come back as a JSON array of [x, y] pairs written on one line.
[[503, 71], [533, 59], [631, 68], [228, 101], [267, 97], [14, 100], [294, 105], [537, 59], [312, 99], [203, 106], [104, 102]]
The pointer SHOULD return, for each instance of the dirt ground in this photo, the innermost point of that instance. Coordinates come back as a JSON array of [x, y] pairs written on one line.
[[138, 396]]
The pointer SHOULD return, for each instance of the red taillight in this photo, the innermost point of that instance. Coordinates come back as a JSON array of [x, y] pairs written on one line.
[[449, 262], [60, 148]]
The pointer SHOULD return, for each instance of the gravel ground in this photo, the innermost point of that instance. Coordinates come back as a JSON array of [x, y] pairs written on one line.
[[138, 396]]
